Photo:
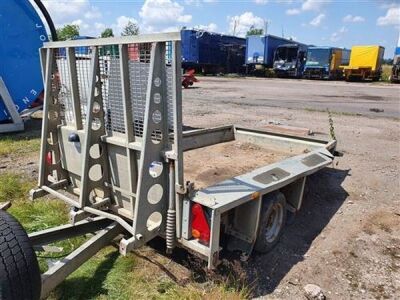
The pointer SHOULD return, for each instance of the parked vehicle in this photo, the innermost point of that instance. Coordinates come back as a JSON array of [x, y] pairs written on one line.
[[365, 63], [123, 175], [289, 60], [209, 52], [260, 50], [326, 62], [395, 75], [188, 78]]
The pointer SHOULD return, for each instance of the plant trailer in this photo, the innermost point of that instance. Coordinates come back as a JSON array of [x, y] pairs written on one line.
[[112, 149]]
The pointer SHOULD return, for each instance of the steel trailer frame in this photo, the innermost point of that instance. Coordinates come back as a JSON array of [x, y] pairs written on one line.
[[117, 159]]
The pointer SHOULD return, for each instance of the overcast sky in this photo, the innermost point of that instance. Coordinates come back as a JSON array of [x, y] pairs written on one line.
[[341, 23]]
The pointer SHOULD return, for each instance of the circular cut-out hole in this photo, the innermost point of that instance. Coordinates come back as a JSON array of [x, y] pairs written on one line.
[[96, 107], [95, 172], [154, 221], [155, 194], [156, 136], [156, 116], [157, 81], [96, 124], [157, 98], [96, 193], [155, 169], [53, 115], [95, 151]]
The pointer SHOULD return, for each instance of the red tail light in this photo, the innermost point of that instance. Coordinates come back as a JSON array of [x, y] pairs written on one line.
[[49, 158], [200, 227]]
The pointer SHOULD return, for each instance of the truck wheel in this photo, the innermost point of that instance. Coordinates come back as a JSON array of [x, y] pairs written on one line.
[[272, 221], [19, 269]]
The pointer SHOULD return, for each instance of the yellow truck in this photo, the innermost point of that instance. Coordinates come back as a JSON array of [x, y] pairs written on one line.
[[365, 63]]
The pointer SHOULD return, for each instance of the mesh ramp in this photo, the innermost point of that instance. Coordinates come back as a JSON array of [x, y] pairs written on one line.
[[112, 130]]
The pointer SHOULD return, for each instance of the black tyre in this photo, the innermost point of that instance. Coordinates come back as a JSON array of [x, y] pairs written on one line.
[[19, 269], [272, 222]]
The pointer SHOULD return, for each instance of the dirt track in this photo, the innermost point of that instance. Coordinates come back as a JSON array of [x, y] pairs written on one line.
[[346, 239], [338, 96]]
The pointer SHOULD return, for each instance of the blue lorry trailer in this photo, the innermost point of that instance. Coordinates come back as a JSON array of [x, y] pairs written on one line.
[[260, 49], [326, 62], [289, 60], [209, 52]]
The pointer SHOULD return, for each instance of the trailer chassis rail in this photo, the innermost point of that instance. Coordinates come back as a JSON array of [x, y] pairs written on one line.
[[104, 232]]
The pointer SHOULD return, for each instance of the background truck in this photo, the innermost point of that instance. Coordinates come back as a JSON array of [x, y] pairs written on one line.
[[326, 62], [209, 52], [260, 50], [365, 63], [113, 148], [289, 60], [395, 74]]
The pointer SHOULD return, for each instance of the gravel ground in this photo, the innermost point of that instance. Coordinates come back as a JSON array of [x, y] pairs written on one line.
[[346, 238]]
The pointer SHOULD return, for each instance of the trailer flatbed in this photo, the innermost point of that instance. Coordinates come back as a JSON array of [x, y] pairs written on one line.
[[113, 148]]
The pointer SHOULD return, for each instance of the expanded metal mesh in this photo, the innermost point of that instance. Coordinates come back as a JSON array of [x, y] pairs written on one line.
[[111, 82], [61, 85]]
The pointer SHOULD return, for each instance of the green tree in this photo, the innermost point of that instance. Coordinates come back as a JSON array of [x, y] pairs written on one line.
[[254, 31], [108, 32], [67, 32], [130, 29]]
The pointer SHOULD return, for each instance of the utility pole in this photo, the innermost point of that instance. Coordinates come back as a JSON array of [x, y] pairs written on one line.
[[266, 23], [235, 24]]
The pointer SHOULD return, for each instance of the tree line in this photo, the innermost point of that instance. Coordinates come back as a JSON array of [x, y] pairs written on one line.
[[71, 31]]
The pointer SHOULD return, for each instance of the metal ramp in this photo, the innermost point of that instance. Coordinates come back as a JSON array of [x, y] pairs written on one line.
[[112, 132]]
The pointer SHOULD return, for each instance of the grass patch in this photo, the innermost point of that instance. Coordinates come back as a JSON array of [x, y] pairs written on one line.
[[107, 275], [14, 144], [386, 73], [111, 276], [34, 215], [339, 113]]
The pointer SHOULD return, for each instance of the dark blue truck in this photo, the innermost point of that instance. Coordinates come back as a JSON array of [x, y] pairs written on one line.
[[290, 59], [326, 62], [209, 52], [260, 50]]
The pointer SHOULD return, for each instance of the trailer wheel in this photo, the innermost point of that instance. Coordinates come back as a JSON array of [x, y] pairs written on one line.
[[19, 269], [272, 221]]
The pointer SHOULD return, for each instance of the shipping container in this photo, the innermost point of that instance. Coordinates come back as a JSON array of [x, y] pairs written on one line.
[[365, 63], [212, 52], [260, 49], [326, 62], [290, 60]]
